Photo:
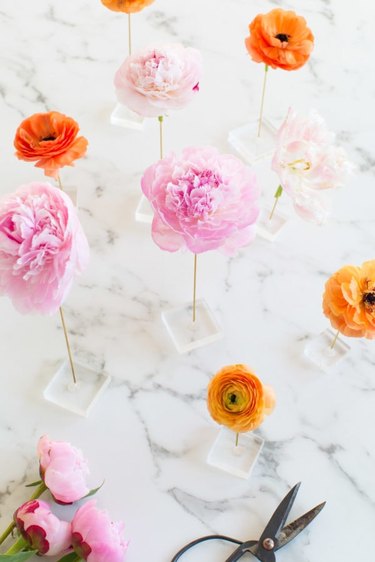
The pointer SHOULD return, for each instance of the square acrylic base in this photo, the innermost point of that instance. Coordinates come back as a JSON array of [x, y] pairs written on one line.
[[80, 397], [186, 334], [320, 352], [124, 117], [246, 142], [270, 229], [144, 212], [237, 460]]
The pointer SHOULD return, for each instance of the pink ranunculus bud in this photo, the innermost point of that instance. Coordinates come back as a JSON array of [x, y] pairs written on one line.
[[156, 80], [95, 537], [42, 247], [309, 164], [63, 469], [44, 532], [202, 200]]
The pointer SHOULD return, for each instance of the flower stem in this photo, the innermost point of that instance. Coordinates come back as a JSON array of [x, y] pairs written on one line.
[[237, 438], [195, 288], [68, 345], [278, 194], [59, 182], [129, 34], [19, 545], [161, 119], [262, 99], [334, 340], [38, 492]]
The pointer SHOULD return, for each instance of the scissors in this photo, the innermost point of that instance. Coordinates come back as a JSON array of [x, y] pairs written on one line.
[[274, 536]]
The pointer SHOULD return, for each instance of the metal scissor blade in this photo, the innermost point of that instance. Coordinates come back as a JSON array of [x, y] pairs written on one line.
[[293, 529], [280, 515]]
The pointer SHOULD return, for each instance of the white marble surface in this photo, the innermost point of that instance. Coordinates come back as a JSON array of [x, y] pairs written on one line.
[[149, 435]]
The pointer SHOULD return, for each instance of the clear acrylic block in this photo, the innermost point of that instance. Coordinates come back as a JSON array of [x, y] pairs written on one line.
[[320, 351], [247, 143], [144, 212], [80, 397], [237, 460], [186, 334], [270, 229], [124, 117]]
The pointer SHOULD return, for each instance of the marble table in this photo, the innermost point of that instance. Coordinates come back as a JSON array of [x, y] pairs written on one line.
[[150, 432]]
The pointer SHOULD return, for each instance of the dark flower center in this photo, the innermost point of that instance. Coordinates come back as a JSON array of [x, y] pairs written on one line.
[[283, 37], [233, 398], [369, 299], [50, 138]]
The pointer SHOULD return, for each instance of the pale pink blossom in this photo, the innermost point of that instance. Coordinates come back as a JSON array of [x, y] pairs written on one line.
[[42, 530], [63, 470], [42, 247], [156, 80], [202, 200], [309, 163], [95, 537]]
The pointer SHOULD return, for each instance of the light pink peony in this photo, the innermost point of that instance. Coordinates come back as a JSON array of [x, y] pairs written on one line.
[[95, 537], [42, 247], [44, 532], [154, 81], [202, 200], [308, 164], [63, 469]]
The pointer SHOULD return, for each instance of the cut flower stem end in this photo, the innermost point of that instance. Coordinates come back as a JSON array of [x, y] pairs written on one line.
[[278, 194], [262, 100]]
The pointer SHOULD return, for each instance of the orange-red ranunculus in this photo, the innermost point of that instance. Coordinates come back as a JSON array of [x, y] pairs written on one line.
[[238, 399], [49, 139], [349, 300], [280, 39], [127, 6]]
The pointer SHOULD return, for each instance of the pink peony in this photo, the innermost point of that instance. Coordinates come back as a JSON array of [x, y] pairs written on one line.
[[42, 247], [44, 532], [95, 537], [154, 81], [202, 200], [63, 469], [308, 164]]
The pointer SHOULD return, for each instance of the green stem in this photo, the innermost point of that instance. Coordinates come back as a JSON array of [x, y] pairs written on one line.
[[38, 492], [237, 437], [19, 545], [278, 194]]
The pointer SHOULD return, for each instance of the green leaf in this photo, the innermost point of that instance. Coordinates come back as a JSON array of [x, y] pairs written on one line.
[[18, 556], [93, 491], [33, 484], [71, 557]]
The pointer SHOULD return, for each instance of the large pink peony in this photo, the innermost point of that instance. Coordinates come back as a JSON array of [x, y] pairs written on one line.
[[42, 247], [63, 470], [202, 200], [154, 81], [95, 537], [42, 530], [309, 164]]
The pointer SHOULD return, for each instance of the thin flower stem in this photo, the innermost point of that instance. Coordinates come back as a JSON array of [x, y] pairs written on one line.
[[37, 493], [68, 345], [262, 100], [161, 119], [237, 438], [334, 340], [195, 288], [278, 194], [129, 34], [19, 545], [59, 182]]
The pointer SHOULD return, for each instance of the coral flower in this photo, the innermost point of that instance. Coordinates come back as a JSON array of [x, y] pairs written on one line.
[[127, 6], [349, 300], [280, 39], [42, 247], [202, 200], [238, 399], [49, 139], [154, 81]]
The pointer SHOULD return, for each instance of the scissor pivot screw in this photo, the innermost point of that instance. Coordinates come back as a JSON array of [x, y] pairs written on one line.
[[268, 544]]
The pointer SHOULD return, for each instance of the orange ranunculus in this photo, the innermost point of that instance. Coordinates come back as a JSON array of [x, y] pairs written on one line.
[[349, 300], [280, 39], [49, 139], [238, 399], [127, 6]]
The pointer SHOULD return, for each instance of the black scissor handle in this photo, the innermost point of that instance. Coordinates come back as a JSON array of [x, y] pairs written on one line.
[[203, 539]]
